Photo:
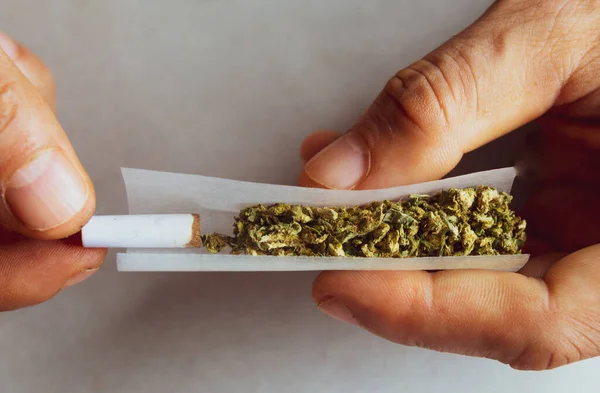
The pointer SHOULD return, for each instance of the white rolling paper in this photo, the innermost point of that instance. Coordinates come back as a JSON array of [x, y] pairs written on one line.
[[219, 200]]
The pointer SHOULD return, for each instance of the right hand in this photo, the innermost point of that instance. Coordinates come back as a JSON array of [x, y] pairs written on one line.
[[46, 194]]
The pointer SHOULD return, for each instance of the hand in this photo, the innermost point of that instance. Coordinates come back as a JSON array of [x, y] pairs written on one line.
[[523, 60], [46, 194]]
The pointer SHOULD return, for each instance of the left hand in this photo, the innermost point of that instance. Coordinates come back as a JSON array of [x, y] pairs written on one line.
[[46, 194], [523, 60]]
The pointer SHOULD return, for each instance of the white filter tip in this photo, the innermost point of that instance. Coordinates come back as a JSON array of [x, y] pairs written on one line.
[[143, 231]]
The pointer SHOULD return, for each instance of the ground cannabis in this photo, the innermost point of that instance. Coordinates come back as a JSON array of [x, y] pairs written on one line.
[[470, 221]]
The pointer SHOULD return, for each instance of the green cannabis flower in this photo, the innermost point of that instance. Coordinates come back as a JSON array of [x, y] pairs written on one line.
[[455, 222]]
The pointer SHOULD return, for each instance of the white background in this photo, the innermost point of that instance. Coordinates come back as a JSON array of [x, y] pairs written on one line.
[[225, 88]]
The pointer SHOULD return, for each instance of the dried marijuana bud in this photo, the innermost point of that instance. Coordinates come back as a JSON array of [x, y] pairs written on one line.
[[215, 243], [470, 221]]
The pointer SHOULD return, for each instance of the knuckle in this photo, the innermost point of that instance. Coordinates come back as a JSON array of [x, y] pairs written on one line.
[[9, 104], [548, 355], [418, 108], [420, 95], [457, 67], [540, 357], [571, 340], [421, 107], [433, 95]]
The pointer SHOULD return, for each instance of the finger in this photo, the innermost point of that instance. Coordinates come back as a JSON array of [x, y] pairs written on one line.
[[45, 190], [508, 68], [33, 271], [537, 267], [312, 145], [32, 67], [526, 322], [316, 142]]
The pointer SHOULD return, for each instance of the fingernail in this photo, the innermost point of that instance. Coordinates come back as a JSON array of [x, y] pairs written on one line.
[[79, 277], [46, 192], [9, 46], [341, 165], [337, 310]]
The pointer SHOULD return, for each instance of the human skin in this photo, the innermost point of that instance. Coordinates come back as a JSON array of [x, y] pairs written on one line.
[[46, 194], [522, 61]]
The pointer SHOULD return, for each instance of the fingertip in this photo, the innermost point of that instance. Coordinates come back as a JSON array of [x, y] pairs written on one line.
[[337, 310], [48, 197], [339, 286], [9, 46], [342, 165], [90, 262], [366, 299], [366, 289], [316, 142], [34, 271], [305, 181], [329, 295], [320, 293], [70, 229], [79, 277]]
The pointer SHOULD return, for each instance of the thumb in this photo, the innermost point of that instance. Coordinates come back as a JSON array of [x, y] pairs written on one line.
[[45, 190], [506, 69]]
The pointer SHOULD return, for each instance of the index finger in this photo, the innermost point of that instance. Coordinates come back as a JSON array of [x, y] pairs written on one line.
[[32, 67], [529, 323]]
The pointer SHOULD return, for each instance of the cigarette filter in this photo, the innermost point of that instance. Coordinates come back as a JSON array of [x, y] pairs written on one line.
[[143, 231]]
